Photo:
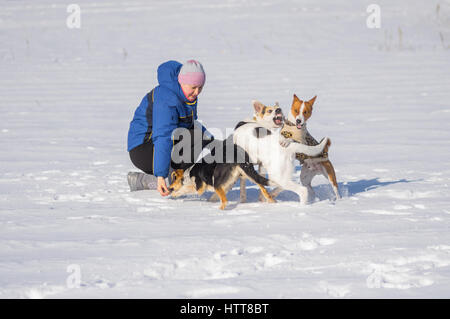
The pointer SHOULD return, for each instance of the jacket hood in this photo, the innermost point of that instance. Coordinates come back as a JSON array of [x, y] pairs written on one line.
[[168, 78]]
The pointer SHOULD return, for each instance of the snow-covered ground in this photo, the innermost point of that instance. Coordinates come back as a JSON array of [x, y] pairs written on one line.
[[67, 97]]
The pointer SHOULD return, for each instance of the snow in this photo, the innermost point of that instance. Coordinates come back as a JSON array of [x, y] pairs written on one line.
[[70, 228]]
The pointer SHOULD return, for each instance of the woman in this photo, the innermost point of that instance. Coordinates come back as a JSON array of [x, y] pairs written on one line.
[[170, 105]]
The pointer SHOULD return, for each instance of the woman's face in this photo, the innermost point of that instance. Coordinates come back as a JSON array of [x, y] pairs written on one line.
[[191, 91]]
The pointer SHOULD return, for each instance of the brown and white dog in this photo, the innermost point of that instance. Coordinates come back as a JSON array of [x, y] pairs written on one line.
[[295, 129]]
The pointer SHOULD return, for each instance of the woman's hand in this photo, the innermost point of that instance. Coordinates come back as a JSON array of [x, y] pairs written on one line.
[[162, 188]]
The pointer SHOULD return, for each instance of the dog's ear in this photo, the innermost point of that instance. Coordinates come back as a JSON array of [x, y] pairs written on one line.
[[312, 100], [258, 106], [173, 175], [296, 104], [177, 174]]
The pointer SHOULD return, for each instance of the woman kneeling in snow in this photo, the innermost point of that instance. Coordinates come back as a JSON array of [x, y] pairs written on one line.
[[169, 106]]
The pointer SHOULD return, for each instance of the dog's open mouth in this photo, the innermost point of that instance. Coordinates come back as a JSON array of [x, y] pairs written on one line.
[[299, 126], [278, 120]]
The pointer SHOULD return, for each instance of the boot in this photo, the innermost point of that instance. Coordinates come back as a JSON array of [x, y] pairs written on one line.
[[140, 181]]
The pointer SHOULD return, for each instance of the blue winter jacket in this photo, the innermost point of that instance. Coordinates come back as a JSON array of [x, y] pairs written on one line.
[[171, 109]]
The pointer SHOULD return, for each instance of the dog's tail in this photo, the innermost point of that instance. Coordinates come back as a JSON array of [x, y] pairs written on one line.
[[253, 175]]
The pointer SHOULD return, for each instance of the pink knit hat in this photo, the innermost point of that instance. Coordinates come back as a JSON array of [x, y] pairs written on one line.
[[192, 73]]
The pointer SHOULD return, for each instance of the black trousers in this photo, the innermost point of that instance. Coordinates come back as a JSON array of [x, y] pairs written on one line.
[[142, 156]]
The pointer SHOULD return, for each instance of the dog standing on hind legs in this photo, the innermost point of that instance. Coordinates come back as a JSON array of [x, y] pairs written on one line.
[[268, 119], [267, 147], [295, 128]]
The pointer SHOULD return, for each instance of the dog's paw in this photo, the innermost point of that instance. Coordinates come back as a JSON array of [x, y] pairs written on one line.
[[261, 198], [337, 196], [174, 194], [284, 142]]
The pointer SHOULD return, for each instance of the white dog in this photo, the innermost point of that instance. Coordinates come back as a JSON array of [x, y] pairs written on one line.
[[269, 119], [264, 145]]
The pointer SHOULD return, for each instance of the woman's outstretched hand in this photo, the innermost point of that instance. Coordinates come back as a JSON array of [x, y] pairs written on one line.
[[162, 187]]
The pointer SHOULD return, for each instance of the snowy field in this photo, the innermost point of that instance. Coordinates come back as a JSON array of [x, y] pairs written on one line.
[[70, 228]]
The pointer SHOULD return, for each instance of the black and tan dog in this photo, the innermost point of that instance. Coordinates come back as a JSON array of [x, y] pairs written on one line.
[[217, 177]]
